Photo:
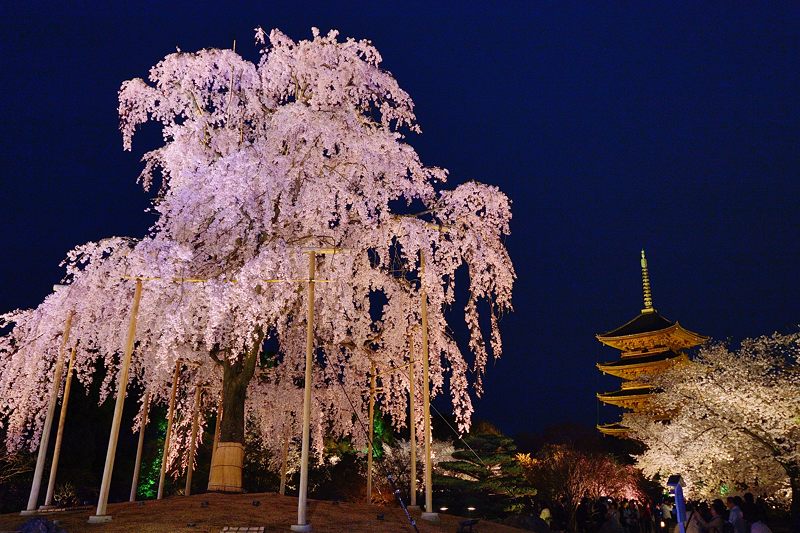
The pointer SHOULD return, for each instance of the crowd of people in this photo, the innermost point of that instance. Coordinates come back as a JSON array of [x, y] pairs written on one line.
[[607, 515], [735, 515], [611, 516]]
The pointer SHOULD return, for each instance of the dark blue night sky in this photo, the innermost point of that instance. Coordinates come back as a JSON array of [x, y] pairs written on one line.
[[668, 126]]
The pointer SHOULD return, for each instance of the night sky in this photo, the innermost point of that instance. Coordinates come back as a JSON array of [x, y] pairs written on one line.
[[668, 126]]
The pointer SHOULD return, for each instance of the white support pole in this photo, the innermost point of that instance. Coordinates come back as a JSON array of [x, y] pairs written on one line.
[[372, 385], [429, 514], [33, 499], [187, 491], [302, 523], [413, 422], [105, 486], [170, 417], [137, 466], [62, 418]]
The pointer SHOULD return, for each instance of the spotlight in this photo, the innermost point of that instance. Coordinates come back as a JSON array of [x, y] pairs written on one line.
[[443, 509], [470, 508]]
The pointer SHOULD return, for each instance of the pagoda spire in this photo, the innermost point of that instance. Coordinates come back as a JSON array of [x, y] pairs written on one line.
[[648, 296]]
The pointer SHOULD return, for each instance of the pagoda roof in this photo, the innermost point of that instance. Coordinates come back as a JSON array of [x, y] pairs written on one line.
[[633, 396], [630, 367], [643, 390], [650, 330], [615, 429], [646, 322]]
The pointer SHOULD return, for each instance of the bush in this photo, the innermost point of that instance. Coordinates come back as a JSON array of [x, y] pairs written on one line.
[[40, 525]]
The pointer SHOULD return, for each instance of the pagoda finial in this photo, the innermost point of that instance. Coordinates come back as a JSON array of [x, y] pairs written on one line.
[[648, 296]]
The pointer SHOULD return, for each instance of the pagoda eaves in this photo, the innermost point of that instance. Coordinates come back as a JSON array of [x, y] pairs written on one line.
[[616, 429], [672, 336], [628, 397], [634, 367]]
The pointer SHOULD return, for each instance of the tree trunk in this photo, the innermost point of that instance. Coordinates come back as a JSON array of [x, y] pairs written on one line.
[[234, 393], [227, 461]]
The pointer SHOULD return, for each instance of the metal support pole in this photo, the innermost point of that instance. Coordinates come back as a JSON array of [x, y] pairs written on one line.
[[302, 523], [429, 514], [105, 486], [62, 418], [137, 466], [48, 421], [284, 463], [372, 385], [187, 491], [412, 422], [170, 417]]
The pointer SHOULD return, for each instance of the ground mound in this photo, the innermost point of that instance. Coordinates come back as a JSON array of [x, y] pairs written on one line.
[[273, 512]]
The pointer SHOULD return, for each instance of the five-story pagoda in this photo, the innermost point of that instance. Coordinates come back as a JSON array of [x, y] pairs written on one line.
[[649, 343]]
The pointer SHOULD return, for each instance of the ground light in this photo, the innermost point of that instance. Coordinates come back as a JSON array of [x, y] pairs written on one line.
[[443, 509]]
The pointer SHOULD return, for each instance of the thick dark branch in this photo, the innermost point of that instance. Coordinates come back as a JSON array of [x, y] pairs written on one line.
[[732, 423], [252, 355], [214, 353], [767, 441]]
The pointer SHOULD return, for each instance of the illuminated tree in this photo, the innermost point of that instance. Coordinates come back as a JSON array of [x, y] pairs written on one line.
[[397, 457], [734, 420], [261, 163], [563, 474]]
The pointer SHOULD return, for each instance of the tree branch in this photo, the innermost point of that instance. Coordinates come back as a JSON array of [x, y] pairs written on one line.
[[249, 366], [214, 353]]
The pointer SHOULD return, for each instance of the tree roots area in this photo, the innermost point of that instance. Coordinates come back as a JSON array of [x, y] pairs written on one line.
[[212, 512]]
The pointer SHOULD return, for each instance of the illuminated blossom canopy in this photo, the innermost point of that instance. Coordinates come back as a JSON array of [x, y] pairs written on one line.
[[734, 420], [565, 474], [261, 163]]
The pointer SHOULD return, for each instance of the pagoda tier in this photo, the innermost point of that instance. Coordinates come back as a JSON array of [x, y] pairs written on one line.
[[615, 430], [649, 331], [634, 396], [649, 344], [635, 365]]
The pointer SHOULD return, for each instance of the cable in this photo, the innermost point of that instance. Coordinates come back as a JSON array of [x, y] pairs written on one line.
[[390, 477], [459, 436]]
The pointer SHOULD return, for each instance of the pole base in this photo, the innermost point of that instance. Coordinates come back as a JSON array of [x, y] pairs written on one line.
[[99, 518], [47, 507], [29, 512], [305, 528], [430, 517]]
